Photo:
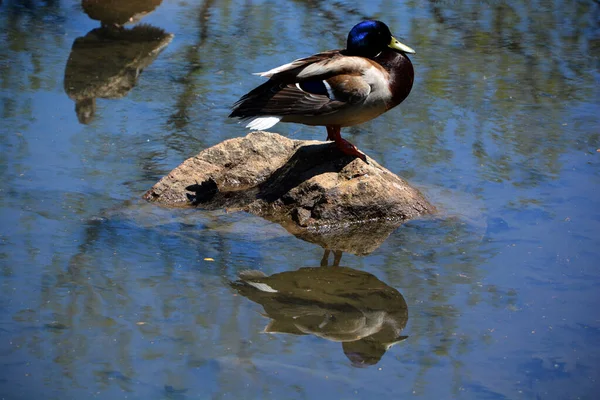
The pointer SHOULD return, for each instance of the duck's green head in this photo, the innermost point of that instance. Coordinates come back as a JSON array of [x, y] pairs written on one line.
[[369, 38]]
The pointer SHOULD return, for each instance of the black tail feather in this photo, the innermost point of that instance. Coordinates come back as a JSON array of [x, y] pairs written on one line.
[[253, 103]]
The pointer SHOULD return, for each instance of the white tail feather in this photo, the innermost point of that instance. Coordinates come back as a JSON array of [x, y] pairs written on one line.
[[262, 123], [276, 70], [263, 287]]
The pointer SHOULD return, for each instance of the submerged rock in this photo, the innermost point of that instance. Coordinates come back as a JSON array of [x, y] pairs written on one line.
[[299, 184]]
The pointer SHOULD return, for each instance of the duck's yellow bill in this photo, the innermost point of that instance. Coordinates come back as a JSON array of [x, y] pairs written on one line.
[[395, 44]]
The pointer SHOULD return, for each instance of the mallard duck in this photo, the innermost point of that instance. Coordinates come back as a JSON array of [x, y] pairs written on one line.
[[335, 88]]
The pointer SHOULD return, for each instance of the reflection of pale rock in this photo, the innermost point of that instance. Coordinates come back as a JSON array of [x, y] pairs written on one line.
[[335, 303], [106, 64], [305, 183], [118, 12], [360, 239]]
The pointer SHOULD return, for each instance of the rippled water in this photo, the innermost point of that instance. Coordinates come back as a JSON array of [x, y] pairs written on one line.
[[104, 295]]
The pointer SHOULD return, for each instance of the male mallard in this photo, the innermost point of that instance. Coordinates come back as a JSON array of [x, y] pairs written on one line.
[[335, 88]]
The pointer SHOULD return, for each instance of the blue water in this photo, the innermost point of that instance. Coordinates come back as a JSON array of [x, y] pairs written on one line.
[[103, 295]]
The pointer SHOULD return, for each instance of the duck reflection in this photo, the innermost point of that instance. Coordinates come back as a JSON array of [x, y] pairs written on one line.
[[107, 62], [340, 304]]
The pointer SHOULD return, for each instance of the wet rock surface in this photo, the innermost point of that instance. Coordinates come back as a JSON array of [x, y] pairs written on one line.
[[302, 185]]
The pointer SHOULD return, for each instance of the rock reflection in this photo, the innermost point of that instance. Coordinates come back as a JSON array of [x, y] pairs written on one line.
[[107, 62], [118, 12], [340, 304], [360, 239]]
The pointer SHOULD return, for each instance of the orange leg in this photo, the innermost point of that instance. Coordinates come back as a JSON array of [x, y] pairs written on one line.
[[330, 134], [333, 133]]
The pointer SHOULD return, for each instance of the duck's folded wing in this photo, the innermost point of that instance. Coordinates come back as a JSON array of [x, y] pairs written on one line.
[[291, 69], [319, 66], [280, 98], [307, 98], [314, 86]]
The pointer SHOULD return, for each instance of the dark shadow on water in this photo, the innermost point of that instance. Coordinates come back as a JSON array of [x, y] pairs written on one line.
[[336, 303], [107, 61]]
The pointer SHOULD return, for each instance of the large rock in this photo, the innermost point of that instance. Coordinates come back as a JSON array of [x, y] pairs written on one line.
[[300, 184]]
